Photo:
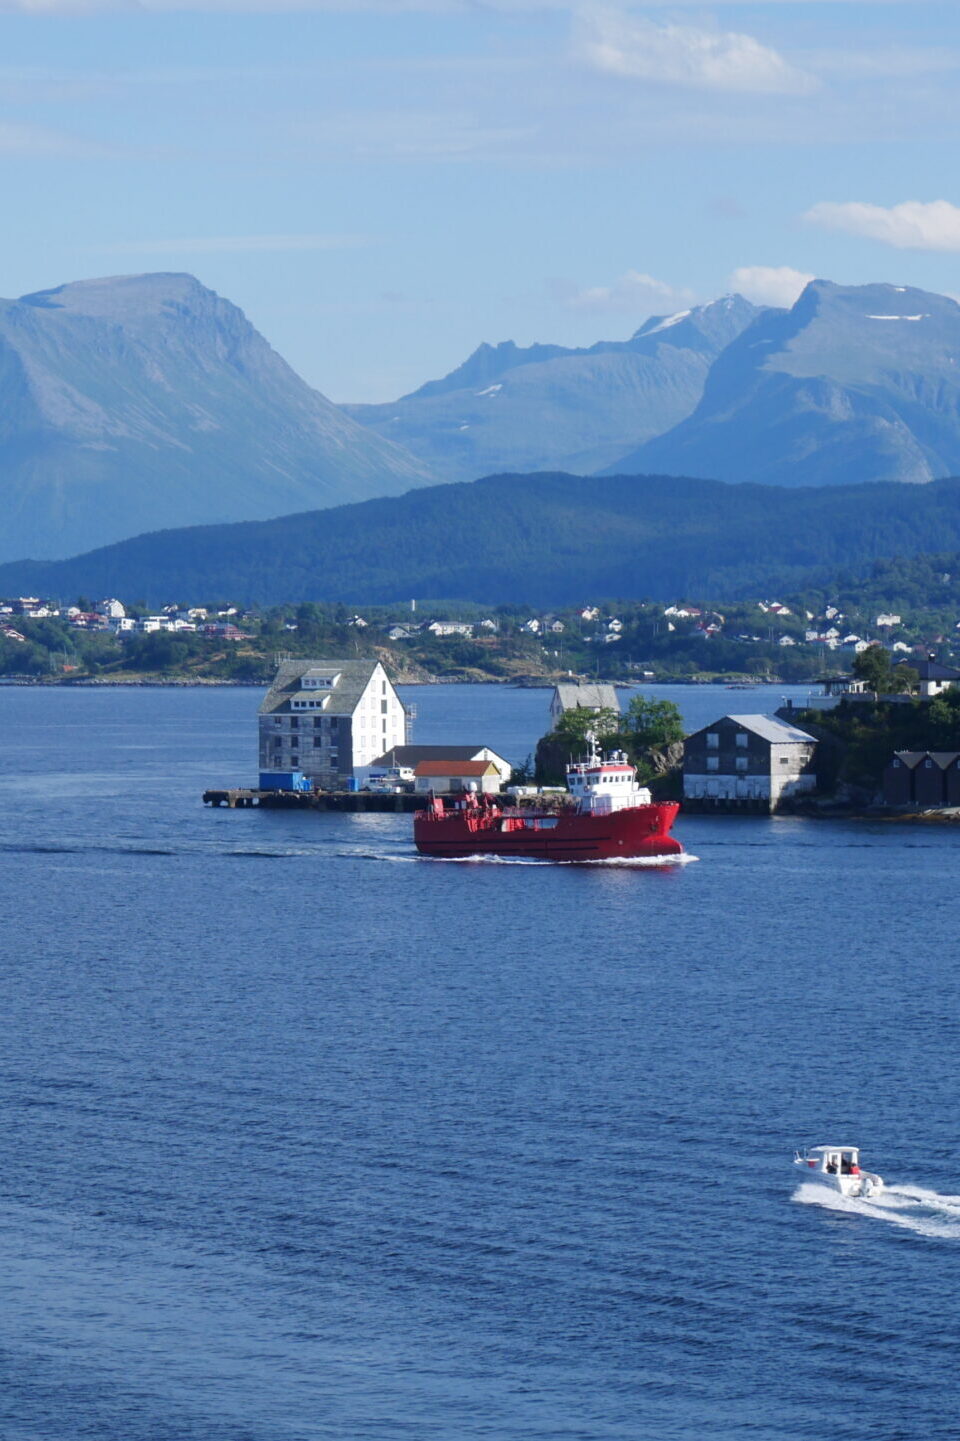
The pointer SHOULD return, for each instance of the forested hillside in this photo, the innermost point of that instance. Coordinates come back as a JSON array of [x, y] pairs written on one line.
[[546, 540]]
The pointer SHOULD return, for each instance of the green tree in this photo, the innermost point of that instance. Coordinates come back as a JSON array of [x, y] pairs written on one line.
[[574, 724], [903, 679], [873, 666], [652, 724], [158, 650]]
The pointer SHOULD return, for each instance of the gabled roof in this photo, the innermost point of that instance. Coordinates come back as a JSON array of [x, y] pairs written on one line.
[[598, 696], [769, 728], [354, 677], [909, 758], [455, 768], [412, 755], [932, 670]]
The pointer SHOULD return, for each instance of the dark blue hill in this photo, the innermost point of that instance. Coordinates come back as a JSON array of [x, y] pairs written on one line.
[[548, 539]]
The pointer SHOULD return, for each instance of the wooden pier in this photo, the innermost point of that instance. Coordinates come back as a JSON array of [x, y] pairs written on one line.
[[240, 797]]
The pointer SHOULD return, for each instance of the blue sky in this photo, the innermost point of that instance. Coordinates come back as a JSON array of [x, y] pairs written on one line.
[[382, 184]]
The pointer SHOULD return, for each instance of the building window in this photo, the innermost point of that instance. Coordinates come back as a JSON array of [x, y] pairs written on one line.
[[784, 760], [713, 740], [741, 738], [383, 707], [741, 763], [713, 763]]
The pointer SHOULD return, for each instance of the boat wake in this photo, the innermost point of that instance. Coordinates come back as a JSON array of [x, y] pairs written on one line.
[[913, 1208], [619, 862]]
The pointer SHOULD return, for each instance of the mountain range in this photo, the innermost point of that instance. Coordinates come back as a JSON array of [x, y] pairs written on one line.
[[546, 540], [138, 403], [142, 401], [854, 383], [545, 407]]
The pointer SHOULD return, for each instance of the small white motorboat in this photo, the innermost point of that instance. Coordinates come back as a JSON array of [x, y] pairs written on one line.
[[839, 1168]]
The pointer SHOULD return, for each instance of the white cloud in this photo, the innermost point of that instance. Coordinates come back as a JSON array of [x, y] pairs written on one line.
[[769, 284], [914, 225], [633, 292], [688, 55], [219, 244]]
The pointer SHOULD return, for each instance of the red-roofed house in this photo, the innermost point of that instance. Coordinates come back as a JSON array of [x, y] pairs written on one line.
[[449, 775]]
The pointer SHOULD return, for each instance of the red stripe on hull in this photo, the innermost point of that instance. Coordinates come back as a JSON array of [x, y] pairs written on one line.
[[626, 835]]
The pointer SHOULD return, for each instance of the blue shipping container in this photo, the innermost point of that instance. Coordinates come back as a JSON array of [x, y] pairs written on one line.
[[283, 781]]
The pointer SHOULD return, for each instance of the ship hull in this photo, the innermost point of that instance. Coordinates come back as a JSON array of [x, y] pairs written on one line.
[[629, 834]]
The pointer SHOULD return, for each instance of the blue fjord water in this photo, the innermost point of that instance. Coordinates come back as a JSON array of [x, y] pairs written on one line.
[[302, 1137]]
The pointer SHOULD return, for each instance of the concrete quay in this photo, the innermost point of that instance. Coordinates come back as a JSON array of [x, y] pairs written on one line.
[[240, 797]]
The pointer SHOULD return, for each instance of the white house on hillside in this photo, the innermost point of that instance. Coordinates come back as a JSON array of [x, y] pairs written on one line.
[[326, 718]]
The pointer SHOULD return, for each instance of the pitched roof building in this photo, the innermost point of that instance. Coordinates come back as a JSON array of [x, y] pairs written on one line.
[[588, 696], [934, 677], [405, 759], [328, 717], [450, 775], [925, 779], [748, 761]]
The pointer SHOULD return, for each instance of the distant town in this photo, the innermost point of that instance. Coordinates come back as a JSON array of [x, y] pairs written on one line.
[[119, 639]]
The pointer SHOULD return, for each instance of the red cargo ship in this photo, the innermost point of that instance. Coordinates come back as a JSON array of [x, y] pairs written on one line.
[[611, 818]]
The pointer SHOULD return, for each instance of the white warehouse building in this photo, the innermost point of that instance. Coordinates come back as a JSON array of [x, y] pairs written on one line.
[[326, 718]]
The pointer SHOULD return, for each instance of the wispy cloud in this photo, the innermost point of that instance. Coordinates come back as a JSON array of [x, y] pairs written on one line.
[[890, 63], [769, 284], [632, 292], [37, 141], [913, 225], [442, 135], [80, 7], [690, 56], [225, 244], [40, 7]]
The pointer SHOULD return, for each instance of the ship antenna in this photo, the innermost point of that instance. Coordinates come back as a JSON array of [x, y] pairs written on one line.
[[593, 751]]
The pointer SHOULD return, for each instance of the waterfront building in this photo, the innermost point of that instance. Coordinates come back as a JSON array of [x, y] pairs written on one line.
[[748, 761], [402, 761], [925, 779], [328, 718], [572, 696], [934, 677], [444, 777]]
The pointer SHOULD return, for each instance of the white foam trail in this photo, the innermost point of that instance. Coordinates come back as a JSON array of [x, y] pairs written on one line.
[[631, 862], [925, 1213]]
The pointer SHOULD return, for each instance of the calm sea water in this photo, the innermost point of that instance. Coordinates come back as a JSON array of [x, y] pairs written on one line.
[[302, 1137]]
